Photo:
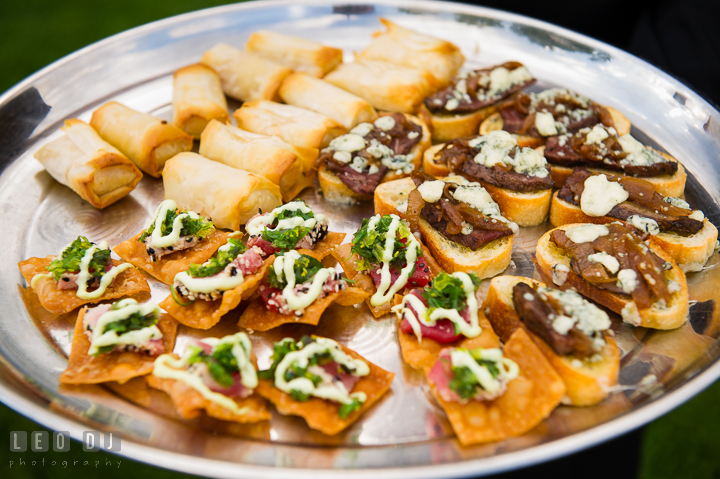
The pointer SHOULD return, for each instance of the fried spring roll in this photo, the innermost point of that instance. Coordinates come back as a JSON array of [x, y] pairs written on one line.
[[413, 49], [90, 166], [297, 53], [147, 140], [297, 126], [290, 167], [227, 195], [385, 85], [245, 76], [197, 98], [304, 91]]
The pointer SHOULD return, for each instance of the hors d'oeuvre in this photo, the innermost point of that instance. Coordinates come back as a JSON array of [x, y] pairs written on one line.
[[604, 150], [457, 110], [457, 219], [205, 292], [297, 289], [173, 240], [534, 117], [353, 165], [612, 265], [117, 342], [596, 198], [325, 383], [385, 258], [573, 334], [444, 315], [490, 394], [517, 178], [217, 375], [83, 273], [291, 226]]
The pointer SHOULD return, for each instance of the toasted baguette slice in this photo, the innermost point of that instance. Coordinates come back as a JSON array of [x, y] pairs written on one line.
[[495, 122], [673, 316], [666, 185], [448, 127], [524, 208], [486, 262], [335, 191], [689, 252], [587, 382]]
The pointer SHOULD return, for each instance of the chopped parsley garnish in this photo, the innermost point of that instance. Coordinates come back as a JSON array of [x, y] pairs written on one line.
[[200, 227], [280, 350], [69, 260], [221, 363], [370, 245], [464, 382], [347, 409], [447, 292], [219, 262], [305, 268], [134, 322], [286, 239]]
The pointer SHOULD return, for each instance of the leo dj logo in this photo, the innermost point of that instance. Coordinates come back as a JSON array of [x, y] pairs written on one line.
[[93, 441]]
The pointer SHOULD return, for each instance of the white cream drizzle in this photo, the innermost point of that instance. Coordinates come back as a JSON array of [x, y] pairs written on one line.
[[158, 239], [258, 224], [284, 266], [125, 308], [106, 279], [509, 370]]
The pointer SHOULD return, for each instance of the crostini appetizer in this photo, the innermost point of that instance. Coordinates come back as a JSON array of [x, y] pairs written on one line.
[[490, 394], [385, 258], [325, 383], [458, 221], [83, 273], [117, 342], [613, 266], [457, 110], [173, 240], [517, 178], [682, 232], [297, 289], [534, 117], [573, 334], [353, 165], [217, 375]]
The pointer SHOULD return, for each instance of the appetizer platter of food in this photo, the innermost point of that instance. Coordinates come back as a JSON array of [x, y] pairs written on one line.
[[406, 239]]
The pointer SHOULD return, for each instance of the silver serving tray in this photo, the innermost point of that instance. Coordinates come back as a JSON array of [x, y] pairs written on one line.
[[406, 434]]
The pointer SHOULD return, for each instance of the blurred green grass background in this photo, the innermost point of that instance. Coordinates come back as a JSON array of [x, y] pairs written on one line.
[[683, 444]]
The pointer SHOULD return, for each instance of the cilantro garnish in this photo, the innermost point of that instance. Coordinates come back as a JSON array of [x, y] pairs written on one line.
[[305, 268], [200, 227], [219, 262], [69, 260], [347, 409], [464, 382], [221, 363], [286, 239], [447, 292], [134, 322], [370, 245]]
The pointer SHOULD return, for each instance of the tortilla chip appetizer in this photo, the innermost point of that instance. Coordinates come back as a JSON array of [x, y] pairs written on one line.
[[323, 382], [217, 375], [174, 240], [117, 342], [297, 289], [201, 295], [386, 264], [492, 394], [447, 314], [83, 273], [292, 226]]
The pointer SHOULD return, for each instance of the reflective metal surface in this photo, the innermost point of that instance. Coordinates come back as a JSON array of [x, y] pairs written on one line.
[[406, 434]]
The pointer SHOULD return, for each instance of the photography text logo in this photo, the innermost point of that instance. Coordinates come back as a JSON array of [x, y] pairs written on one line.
[[41, 441]]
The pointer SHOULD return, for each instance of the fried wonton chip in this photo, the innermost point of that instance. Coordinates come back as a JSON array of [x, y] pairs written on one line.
[[169, 265], [206, 314], [323, 415], [348, 260], [189, 402], [114, 366], [258, 318], [324, 247], [60, 301], [529, 398], [424, 355]]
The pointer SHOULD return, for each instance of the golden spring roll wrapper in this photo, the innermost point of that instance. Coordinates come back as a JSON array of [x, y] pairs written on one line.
[[297, 126], [89, 165], [227, 195], [197, 98], [304, 91], [245, 76], [385, 85], [147, 140], [300, 54], [290, 167], [409, 48]]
